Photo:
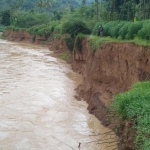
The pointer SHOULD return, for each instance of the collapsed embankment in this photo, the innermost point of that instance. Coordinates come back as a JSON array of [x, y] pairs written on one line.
[[110, 69]]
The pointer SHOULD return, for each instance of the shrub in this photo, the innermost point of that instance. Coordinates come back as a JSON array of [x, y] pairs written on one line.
[[69, 42], [78, 42], [144, 33], [124, 30], [24, 19], [58, 28], [135, 105], [64, 56], [2, 28], [5, 19], [107, 28], [74, 27], [112, 29], [95, 29], [115, 31], [42, 30], [133, 29]]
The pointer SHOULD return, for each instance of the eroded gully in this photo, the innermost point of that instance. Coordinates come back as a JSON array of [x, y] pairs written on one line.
[[38, 110]]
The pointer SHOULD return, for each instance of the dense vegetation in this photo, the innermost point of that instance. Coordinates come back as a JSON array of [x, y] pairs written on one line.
[[28, 4], [135, 105], [121, 20], [126, 30]]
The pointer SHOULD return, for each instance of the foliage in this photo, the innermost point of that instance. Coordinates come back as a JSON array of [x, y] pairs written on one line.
[[95, 41], [64, 56], [126, 10], [74, 27], [95, 29], [2, 28], [28, 19], [133, 29], [135, 104], [125, 29], [5, 18], [144, 33], [27, 5], [15, 28], [42, 30], [69, 42], [58, 28], [78, 42], [139, 41]]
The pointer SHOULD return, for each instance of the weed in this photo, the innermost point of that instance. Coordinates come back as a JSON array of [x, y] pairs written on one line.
[[44, 42], [69, 42], [64, 56], [135, 104], [95, 41], [78, 42]]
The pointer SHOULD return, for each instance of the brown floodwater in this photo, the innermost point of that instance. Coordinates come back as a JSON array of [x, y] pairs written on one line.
[[38, 110]]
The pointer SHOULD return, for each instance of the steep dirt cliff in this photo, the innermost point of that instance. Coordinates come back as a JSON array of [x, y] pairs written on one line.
[[110, 69]]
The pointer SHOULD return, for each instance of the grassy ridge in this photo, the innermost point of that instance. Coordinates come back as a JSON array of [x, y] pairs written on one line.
[[125, 30], [135, 105]]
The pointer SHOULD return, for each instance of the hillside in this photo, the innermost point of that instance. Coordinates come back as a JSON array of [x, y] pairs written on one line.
[[28, 4]]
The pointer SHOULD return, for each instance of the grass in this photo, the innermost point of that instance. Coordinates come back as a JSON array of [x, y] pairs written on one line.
[[64, 56], [141, 42], [95, 41], [44, 42], [135, 104]]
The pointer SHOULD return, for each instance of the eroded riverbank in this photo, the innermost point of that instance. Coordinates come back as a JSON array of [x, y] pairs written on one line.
[[110, 69], [38, 108]]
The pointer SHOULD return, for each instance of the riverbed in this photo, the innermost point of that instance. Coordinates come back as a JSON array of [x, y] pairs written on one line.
[[38, 108]]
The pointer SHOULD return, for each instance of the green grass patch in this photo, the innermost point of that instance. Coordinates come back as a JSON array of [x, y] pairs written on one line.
[[141, 42], [64, 56], [16, 28], [95, 41], [135, 104]]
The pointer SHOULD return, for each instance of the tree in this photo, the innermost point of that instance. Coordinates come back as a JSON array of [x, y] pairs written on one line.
[[83, 2], [44, 3], [5, 18]]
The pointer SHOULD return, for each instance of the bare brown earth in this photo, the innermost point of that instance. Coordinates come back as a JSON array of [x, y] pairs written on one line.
[[110, 69]]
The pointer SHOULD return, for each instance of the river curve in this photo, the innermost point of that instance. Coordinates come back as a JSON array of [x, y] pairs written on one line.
[[38, 110]]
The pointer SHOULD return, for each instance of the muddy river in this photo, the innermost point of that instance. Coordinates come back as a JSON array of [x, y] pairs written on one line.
[[38, 110]]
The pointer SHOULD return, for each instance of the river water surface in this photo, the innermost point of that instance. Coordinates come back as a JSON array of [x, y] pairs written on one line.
[[38, 110]]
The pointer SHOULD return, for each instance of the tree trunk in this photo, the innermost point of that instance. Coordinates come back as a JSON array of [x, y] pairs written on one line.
[[114, 9], [96, 3], [143, 9]]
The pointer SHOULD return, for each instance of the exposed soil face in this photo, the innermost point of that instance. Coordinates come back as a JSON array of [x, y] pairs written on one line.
[[110, 69]]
